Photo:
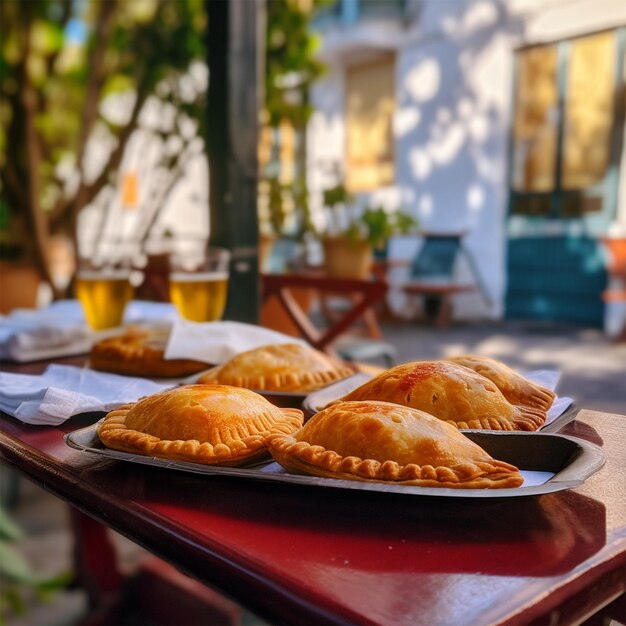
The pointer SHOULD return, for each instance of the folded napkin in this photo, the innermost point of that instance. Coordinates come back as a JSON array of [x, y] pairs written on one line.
[[63, 390], [57, 330], [216, 342], [60, 329]]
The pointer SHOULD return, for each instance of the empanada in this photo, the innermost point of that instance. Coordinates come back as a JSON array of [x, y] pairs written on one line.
[[140, 352], [514, 387], [451, 392], [280, 367], [385, 442], [209, 424]]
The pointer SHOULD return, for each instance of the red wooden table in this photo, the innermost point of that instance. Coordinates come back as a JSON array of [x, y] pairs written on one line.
[[303, 555]]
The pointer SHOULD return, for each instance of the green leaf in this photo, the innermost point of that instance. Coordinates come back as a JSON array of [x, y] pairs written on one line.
[[13, 566], [48, 37], [337, 195], [11, 600], [56, 582], [8, 528], [117, 83]]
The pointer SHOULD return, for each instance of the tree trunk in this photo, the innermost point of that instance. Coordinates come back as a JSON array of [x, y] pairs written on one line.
[[35, 217]]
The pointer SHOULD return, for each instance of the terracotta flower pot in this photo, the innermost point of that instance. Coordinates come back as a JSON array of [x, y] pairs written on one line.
[[20, 285], [344, 258], [616, 262]]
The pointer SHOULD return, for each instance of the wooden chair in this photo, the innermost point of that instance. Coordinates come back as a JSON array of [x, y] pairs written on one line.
[[433, 275], [284, 255]]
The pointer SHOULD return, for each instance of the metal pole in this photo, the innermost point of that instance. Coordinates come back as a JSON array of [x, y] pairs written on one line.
[[236, 45]]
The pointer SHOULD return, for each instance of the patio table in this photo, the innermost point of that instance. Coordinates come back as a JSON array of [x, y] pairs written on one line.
[[363, 294], [303, 555]]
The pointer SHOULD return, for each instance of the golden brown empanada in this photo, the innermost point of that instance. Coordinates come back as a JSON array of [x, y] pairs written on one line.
[[281, 367], [451, 392], [209, 424], [385, 442], [139, 352], [514, 387]]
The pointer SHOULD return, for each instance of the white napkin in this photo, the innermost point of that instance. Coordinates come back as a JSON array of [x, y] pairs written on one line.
[[216, 342], [60, 329], [57, 330], [63, 390]]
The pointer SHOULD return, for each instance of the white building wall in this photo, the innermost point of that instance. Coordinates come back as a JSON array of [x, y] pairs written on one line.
[[453, 119]]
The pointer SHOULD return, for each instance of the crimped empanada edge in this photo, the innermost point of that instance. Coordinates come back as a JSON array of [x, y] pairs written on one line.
[[302, 457], [305, 382], [114, 434]]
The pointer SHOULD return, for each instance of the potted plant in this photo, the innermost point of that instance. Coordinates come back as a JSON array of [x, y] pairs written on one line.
[[351, 238]]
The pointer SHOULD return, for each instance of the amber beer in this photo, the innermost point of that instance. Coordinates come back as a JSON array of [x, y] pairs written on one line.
[[199, 296], [103, 296]]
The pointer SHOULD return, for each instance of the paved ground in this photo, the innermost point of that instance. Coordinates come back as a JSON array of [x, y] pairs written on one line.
[[593, 373]]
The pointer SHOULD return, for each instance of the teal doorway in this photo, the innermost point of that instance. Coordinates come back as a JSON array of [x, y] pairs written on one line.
[[565, 157]]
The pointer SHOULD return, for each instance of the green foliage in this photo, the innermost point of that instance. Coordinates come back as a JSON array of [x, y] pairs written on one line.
[[276, 196], [380, 225], [290, 63], [337, 195], [291, 67], [16, 575], [375, 224], [60, 60], [9, 530]]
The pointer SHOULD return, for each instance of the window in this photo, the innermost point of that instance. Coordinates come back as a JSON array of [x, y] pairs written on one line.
[[535, 128], [564, 125], [370, 103], [589, 111]]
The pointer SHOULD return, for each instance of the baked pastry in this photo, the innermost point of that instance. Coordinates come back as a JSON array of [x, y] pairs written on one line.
[[140, 352], [451, 392], [280, 367], [208, 424], [514, 387], [385, 442]]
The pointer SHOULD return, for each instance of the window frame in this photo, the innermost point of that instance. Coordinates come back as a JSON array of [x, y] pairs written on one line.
[[606, 188]]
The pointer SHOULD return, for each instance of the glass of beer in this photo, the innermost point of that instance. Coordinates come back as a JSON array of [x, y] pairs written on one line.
[[199, 283], [104, 290]]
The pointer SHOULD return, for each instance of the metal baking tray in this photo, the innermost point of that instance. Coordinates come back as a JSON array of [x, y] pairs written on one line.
[[548, 463], [317, 400], [561, 412]]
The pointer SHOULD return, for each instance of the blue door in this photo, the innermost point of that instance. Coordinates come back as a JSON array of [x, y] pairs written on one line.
[[565, 156]]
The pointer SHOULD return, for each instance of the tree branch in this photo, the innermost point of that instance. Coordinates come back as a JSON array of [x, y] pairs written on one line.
[[51, 58], [104, 24], [176, 172], [10, 172], [87, 192]]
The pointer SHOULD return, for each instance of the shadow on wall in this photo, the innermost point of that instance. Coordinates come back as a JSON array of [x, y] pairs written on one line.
[[452, 132], [451, 128]]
